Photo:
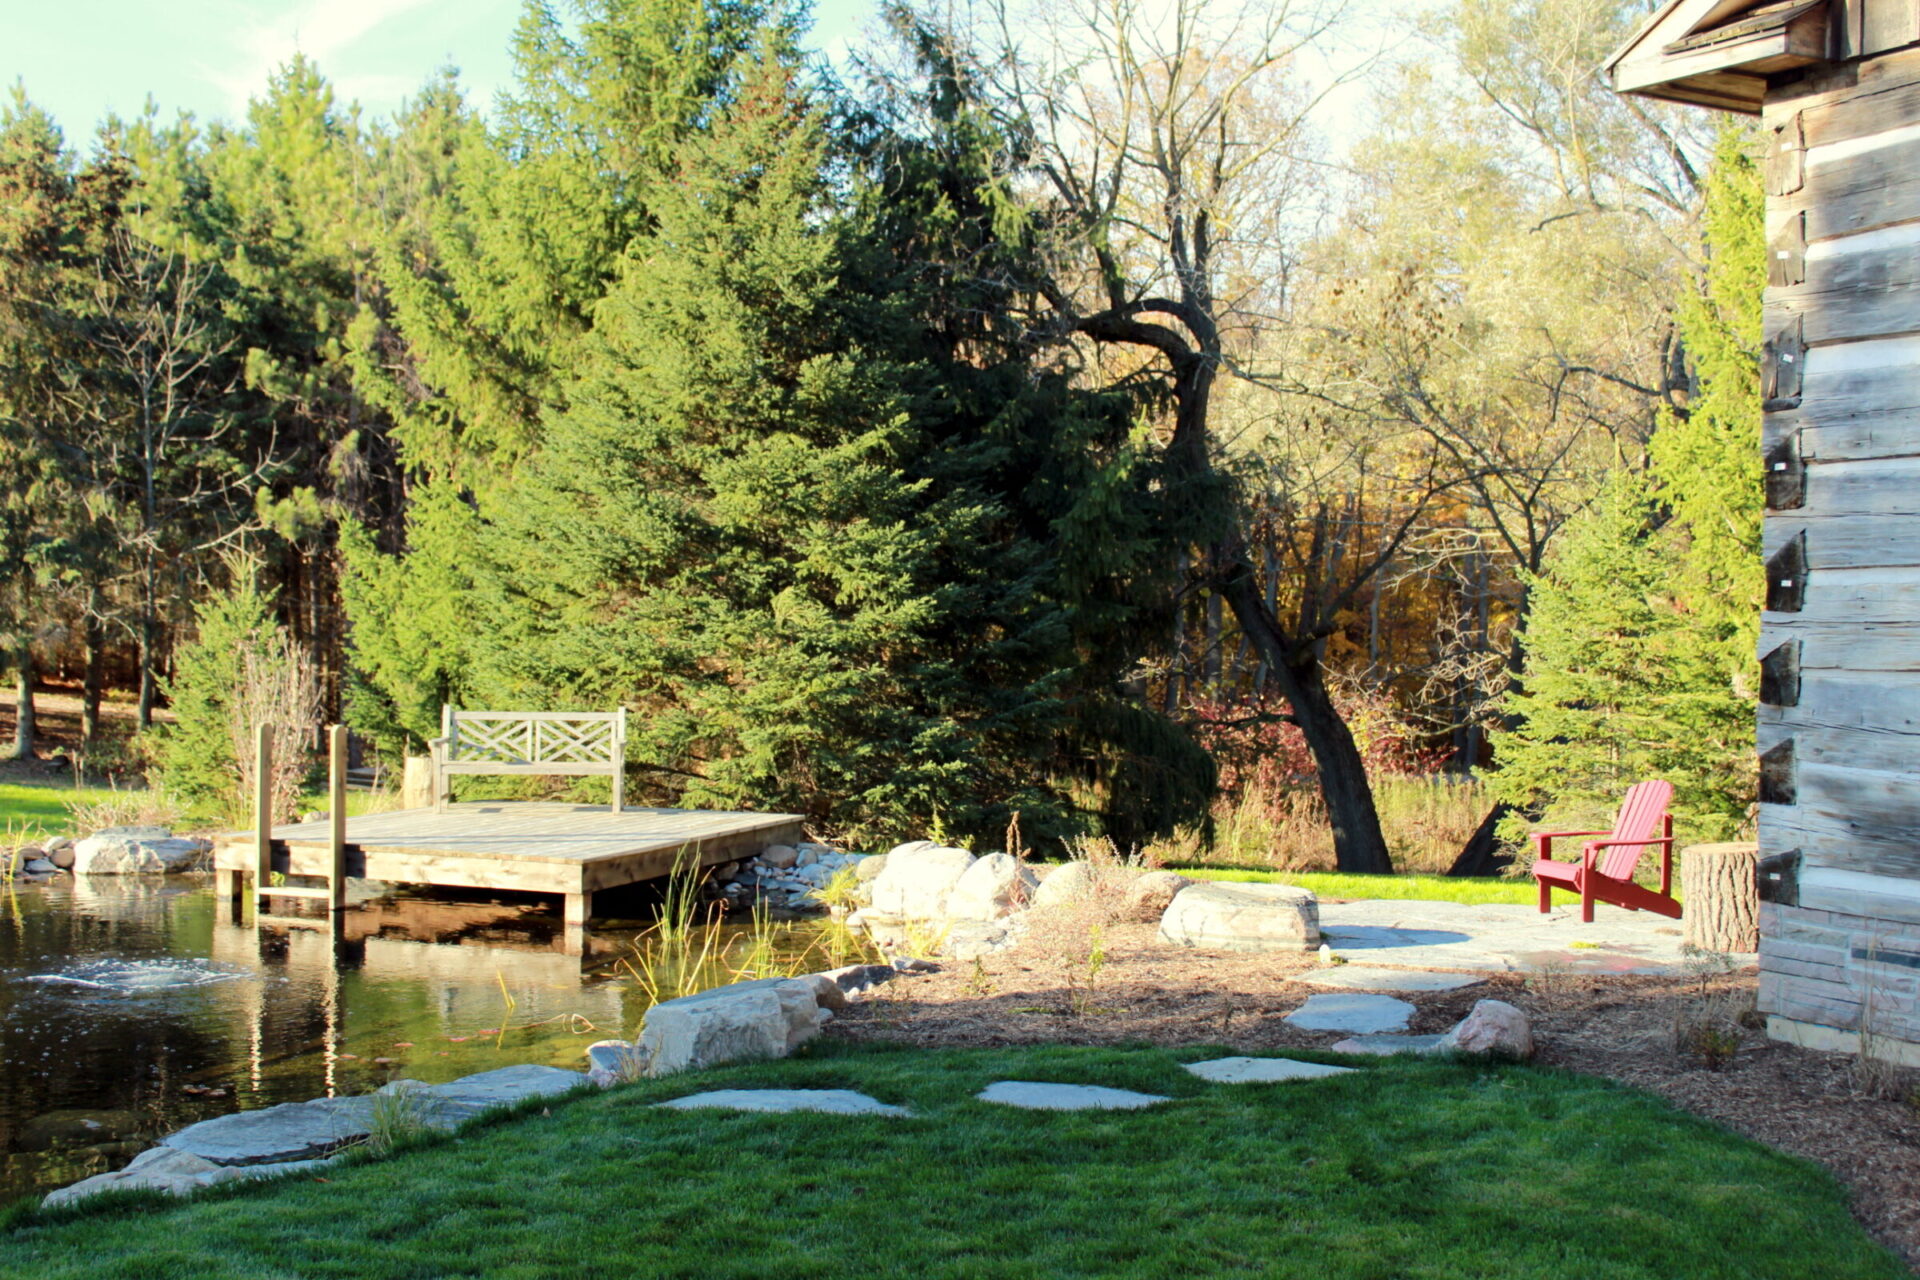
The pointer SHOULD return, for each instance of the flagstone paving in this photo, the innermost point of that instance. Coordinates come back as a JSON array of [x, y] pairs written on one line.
[[1354, 977], [1502, 937]]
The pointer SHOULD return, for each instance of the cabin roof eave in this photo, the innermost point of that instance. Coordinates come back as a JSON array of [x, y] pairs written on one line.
[[1718, 53]]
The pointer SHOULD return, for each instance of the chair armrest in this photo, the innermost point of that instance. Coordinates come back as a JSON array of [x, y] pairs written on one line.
[[1592, 847], [1543, 840]]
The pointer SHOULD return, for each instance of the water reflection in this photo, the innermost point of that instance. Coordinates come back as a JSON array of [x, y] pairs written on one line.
[[128, 1008]]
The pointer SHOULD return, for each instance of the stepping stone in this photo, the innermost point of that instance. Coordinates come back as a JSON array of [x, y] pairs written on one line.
[[838, 1102], [1261, 1070], [1364, 1013], [504, 1085], [290, 1131], [1385, 1046], [304, 1130], [1353, 977], [1035, 1096]]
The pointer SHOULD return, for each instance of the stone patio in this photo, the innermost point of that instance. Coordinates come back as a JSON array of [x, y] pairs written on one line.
[[1502, 937]]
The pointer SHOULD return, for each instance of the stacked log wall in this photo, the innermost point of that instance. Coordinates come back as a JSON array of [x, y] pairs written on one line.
[[1839, 724]]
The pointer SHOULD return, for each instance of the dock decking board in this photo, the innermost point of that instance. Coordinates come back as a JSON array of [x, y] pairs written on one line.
[[567, 849]]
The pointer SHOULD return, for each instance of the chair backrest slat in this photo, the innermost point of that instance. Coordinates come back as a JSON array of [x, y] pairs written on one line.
[[1639, 819]]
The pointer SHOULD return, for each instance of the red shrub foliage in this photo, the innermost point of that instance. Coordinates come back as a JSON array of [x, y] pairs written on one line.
[[1262, 753]]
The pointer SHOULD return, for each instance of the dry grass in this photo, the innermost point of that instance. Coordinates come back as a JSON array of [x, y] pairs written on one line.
[[122, 808], [1427, 820]]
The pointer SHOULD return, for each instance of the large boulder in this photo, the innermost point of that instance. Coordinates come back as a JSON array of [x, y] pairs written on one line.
[[1064, 886], [1491, 1029], [994, 886], [136, 850], [917, 880], [1149, 896], [1243, 917], [765, 1018]]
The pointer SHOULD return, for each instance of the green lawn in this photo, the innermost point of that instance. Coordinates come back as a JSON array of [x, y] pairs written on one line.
[[1419, 1170], [1332, 884], [30, 810]]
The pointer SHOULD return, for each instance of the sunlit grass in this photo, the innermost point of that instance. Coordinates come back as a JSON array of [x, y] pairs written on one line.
[[37, 811], [1422, 1169], [1329, 884]]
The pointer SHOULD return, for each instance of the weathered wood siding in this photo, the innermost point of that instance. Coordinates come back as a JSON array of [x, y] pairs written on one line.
[[1840, 721]]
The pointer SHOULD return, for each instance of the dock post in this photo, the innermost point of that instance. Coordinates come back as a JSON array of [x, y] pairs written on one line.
[[337, 815], [578, 907], [263, 807]]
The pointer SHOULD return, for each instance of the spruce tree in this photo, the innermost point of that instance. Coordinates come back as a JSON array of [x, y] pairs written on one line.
[[1594, 717], [413, 620], [779, 521], [1639, 648]]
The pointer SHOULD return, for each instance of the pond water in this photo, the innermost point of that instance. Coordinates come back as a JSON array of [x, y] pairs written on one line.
[[129, 1007]]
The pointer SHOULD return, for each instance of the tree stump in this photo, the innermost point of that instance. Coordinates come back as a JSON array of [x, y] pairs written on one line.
[[416, 784], [1722, 898]]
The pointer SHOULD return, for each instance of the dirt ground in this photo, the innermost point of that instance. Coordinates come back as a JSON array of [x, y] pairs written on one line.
[[1615, 1026], [57, 732]]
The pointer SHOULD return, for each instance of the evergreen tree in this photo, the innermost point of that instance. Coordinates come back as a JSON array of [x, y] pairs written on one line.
[[241, 670], [1639, 648], [498, 243], [1595, 716], [51, 221], [413, 618], [726, 529], [1708, 471]]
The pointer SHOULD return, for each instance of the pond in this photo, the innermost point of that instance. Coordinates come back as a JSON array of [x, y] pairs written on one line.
[[129, 1007]]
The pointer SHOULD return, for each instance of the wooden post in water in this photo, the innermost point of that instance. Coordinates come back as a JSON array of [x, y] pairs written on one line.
[[263, 807], [337, 815]]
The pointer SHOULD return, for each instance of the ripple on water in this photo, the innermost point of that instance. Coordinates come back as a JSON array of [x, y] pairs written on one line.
[[139, 977]]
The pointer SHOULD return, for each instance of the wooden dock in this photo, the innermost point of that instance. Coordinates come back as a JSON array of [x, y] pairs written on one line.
[[566, 849]]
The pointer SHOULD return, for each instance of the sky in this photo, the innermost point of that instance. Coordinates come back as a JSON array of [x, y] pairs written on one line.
[[81, 59]]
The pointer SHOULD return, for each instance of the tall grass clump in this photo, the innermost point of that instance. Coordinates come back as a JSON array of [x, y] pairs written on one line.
[[1270, 815]]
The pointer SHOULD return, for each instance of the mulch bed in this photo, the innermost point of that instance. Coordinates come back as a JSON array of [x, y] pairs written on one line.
[[1619, 1027]]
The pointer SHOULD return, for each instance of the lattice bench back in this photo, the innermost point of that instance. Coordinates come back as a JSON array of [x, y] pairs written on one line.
[[546, 743]]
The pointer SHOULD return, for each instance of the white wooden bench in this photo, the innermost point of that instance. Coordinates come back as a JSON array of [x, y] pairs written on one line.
[[541, 743]]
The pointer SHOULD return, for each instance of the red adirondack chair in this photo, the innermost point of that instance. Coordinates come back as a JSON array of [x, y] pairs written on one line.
[[1605, 870]]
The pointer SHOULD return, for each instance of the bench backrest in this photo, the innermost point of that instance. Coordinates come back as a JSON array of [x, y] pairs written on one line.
[[529, 741]]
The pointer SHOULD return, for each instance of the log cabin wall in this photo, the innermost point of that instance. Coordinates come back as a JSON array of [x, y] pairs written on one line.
[[1839, 722]]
